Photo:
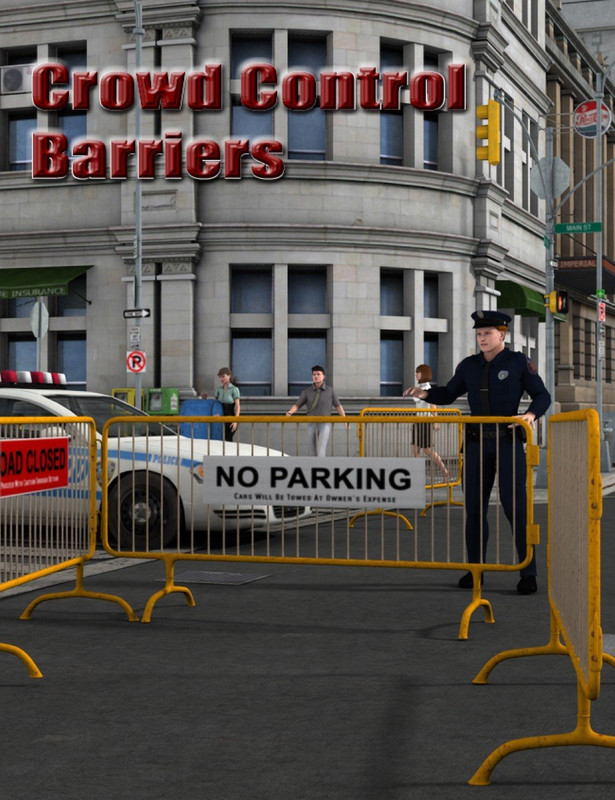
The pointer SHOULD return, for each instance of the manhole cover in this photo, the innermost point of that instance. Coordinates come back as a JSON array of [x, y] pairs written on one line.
[[199, 576]]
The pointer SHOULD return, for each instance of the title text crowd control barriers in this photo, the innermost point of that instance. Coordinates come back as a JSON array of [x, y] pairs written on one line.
[[260, 498], [47, 506]]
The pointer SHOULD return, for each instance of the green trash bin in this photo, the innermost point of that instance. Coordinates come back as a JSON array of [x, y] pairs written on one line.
[[163, 400]]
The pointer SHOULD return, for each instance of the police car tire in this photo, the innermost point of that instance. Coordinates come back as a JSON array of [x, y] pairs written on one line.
[[153, 495]]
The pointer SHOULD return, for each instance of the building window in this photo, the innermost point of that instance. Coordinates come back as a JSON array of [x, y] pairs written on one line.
[[74, 57], [307, 131], [305, 348], [589, 358], [392, 138], [430, 121], [307, 52], [506, 168], [246, 48], [22, 352], [307, 290], [73, 304], [251, 359], [307, 135], [430, 295], [20, 307], [528, 157], [16, 74], [391, 122], [430, 354], [20, 140], [71, 358], [391, 293], [249, 124], [391, 364], [73, 124], [430, 140], [251, 291]]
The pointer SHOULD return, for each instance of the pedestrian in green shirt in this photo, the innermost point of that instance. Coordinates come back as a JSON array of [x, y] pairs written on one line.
[[228, 395]]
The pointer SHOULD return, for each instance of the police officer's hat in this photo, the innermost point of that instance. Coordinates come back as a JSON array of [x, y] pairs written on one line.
[[490, 319]]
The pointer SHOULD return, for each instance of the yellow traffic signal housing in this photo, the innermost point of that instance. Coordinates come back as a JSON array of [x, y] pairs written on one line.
[[489, 132], [557, 302]]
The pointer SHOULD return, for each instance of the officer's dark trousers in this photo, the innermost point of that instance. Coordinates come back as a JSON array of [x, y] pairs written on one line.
[[508, 458]]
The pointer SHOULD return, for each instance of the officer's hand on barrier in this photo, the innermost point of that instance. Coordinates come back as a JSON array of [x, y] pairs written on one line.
[[527, 417]]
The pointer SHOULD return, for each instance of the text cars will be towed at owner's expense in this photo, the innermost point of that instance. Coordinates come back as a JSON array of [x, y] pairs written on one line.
[[155, 475]]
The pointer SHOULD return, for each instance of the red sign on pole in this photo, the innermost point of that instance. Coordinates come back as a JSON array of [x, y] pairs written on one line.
[[136, 361], [585, 119], [33, 465], [601, 312]]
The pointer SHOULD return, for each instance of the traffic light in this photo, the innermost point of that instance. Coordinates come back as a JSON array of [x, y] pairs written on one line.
[[489, 131], [557, 302]]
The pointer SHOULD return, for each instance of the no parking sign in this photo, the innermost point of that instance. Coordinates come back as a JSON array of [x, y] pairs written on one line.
[[136, 362]]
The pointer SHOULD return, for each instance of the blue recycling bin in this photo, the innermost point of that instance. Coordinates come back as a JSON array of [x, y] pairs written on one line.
[[202, 408]]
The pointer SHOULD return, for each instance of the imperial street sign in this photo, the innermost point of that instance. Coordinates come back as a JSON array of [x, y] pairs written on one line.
[[577, 227]]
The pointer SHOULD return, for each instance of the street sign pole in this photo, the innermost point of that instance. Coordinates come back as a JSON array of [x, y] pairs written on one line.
[[138, 32]]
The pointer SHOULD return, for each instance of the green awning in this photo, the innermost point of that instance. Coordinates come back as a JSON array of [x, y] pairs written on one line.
[[526, 302], [38, 281]]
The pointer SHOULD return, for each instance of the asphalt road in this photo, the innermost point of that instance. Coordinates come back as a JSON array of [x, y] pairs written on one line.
[[304, 683]]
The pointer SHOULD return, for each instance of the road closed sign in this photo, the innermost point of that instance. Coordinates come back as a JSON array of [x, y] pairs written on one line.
[[33, 465], [136, 361], [352, 482]]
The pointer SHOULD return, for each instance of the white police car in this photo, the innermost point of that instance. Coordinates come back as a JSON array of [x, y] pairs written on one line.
[[154, 474]]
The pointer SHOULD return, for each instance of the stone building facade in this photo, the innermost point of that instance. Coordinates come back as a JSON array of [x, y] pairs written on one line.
[[369, 254]]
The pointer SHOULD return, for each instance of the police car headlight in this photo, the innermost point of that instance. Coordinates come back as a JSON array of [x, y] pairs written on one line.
[[197, 471]]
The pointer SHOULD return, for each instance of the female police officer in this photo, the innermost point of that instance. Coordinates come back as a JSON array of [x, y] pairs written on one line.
[[495, 380]]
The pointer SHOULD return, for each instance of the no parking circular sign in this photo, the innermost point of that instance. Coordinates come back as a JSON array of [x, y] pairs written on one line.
[[136, 362]]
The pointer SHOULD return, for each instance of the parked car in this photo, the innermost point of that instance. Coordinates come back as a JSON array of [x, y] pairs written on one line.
[[154, 474]]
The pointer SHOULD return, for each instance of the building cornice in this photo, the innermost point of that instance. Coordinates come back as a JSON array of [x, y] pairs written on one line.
[[336, 238], [419, 15], [65, 12], [68, 242], [408, 177]]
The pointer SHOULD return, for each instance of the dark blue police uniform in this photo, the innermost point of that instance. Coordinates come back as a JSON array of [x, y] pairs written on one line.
[[494, 388]]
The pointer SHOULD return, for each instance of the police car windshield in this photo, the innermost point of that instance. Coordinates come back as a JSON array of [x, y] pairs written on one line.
[[102, 408]]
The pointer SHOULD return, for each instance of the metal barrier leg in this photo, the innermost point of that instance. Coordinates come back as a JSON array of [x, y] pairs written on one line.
[[448, 502], [477, 602], [169, 587], [581, 735], [80, 591], [23, 656], [553, 647], [378, 512]]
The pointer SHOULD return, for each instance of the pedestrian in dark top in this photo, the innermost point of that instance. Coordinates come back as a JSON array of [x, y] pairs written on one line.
[[319, 399], [495, 380], [228, 395]]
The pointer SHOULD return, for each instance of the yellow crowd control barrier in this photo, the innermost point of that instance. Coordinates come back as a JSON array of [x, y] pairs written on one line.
[[47, 506], [275, 502], [424, 437], [573, 563]]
